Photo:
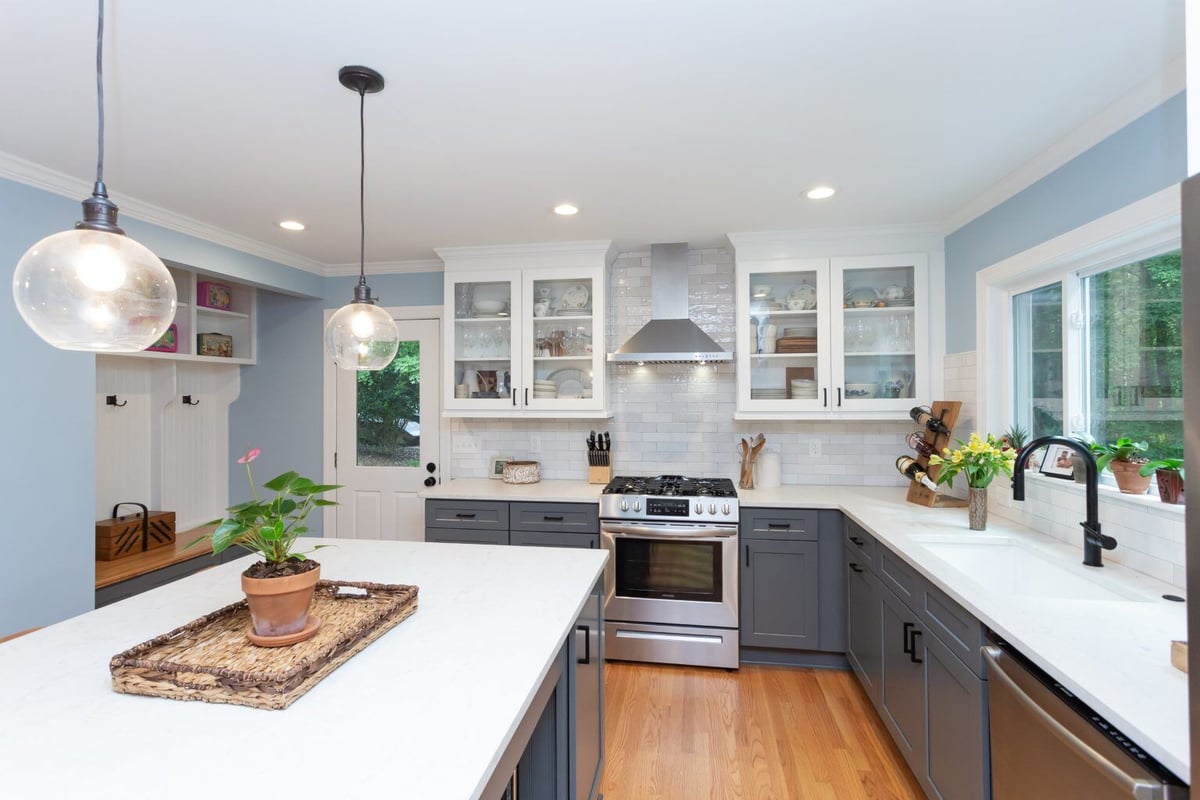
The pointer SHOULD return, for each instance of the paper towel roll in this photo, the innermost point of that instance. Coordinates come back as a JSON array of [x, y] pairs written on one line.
[[767, 470]]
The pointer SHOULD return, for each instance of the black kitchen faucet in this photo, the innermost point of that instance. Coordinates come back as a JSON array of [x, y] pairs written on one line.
[[1093, 539]]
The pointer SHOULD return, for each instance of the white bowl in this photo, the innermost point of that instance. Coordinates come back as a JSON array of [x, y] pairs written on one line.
[[861, 391], [490, 306]]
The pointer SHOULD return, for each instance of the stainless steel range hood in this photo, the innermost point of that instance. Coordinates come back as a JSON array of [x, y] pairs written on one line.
[[669, 337]]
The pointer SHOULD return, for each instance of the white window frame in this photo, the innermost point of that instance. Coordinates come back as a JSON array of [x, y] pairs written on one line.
[[1149, 227]]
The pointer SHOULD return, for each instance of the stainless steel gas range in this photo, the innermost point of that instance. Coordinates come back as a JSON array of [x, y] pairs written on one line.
[[671, 583]]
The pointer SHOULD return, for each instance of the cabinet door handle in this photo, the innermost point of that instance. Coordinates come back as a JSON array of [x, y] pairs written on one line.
[[526, 396], [856, 540], [587, 644], [747, 555], [514, 396], [779, 526], [913, 654], [464, 515], [839, 397], [549, 518], [825, 396], [855, 567], [908, 648]]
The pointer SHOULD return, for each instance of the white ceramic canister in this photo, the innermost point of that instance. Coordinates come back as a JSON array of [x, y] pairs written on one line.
[[768, 470], [522, 472]]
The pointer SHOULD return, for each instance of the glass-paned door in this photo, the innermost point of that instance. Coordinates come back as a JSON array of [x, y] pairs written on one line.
[[561, 358], [387, 436], [483, 333], [879, 332]]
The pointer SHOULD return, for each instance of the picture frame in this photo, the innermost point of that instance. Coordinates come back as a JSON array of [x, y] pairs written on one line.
[[1057, 462], [496, 471]]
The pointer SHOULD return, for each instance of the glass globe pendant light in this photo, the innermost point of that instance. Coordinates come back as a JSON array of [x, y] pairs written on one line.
[[361, 335], [93, 288]]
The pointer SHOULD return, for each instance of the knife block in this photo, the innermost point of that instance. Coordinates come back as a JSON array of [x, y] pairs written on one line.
[[600, 474]]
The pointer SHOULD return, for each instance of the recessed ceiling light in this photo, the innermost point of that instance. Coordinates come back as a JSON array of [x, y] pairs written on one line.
[[820, 192], [566, 210], [291, 225]]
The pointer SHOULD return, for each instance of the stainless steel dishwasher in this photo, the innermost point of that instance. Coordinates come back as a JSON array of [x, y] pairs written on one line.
[[1046, 743]]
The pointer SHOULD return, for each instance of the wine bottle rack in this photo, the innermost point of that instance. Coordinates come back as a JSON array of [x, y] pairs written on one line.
[[947, 411]]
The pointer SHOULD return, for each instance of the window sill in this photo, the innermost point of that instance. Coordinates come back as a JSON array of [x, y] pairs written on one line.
[[1108, 493]]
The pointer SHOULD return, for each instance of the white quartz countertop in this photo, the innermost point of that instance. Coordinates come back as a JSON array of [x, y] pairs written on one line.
[[542, 492], [1113, 653], [424, 712]]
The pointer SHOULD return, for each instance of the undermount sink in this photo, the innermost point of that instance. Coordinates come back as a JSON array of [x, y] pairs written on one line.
[[1008, 566]]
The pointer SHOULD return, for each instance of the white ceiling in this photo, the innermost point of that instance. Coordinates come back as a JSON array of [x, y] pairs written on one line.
[[662, 121]]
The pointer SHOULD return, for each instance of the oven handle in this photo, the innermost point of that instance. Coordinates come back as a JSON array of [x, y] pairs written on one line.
[[679, 532]]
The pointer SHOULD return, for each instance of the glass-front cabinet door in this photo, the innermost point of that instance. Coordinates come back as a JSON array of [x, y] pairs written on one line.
[[563, 352], [484, 336], [783, 323], [879, 332]]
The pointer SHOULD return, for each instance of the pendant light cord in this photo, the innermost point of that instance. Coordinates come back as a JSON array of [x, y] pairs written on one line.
[[362, 182], [100, 93]]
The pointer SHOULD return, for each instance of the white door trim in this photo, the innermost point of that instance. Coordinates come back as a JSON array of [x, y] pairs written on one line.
[[329, 406]]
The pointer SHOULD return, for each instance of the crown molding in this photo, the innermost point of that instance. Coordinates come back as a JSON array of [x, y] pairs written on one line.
[[387, 267], [516, 256], [46, 179], [765, 245], [1140, 100]]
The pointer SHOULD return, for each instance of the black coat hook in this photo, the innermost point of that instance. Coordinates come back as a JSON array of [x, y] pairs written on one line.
[[111, 400], [188, 401]]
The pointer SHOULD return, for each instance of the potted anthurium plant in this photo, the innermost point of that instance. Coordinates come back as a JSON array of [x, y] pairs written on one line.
[[1169, 474], [981, 459], [279, 588], [1124, 459]]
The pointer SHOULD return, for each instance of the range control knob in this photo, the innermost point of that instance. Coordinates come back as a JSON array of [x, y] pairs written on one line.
[[725, 509], [712, 508], [624, 506], [699, 508], [637, 505]]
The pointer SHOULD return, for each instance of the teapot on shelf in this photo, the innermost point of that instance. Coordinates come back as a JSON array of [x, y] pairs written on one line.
[[802, 298], [895, 292]]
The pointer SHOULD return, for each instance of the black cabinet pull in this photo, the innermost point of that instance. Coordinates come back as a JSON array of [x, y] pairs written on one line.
[[747, 555], [514, 396], [839, 397], [587, 644], [464, 515], [591, 545], [779, 526], [526, 396], [549, 518], [856, 540], [913, 654], [908, 628], [855, 567], [825, 396]]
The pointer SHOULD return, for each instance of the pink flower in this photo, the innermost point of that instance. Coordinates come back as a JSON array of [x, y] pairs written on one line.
[[250, 456]]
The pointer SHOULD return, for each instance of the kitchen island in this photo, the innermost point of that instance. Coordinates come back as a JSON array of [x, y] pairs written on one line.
[[435, 708]]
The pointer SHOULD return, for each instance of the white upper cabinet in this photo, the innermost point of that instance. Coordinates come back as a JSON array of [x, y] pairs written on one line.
[[525, 330], [822, 337]]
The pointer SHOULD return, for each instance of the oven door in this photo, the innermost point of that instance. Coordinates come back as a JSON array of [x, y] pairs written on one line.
[[671, 573]]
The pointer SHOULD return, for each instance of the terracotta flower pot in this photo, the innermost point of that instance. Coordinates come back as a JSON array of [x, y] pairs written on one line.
[[1170, 486], [279, 606], [1128, 479]]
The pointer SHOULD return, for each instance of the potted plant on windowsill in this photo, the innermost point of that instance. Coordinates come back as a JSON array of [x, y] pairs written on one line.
[[1168, 472], [1124, 460], [279, 589]]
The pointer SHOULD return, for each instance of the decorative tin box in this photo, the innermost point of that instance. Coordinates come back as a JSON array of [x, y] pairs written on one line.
[[214, 344], [214, 295], [168, 342]]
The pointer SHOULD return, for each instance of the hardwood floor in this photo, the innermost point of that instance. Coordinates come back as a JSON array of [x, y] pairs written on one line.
[[767, 733]]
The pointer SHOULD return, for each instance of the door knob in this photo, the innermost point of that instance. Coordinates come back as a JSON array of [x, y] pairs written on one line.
[[431, 481], [430, 467]]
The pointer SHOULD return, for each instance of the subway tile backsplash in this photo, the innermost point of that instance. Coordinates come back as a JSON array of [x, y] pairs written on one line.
[[677, 418]]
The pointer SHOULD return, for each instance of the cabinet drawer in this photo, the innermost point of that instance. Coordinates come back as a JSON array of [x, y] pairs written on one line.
[[587, 541], [572, 517], [957, 629], [470, 514], [780, 523], [466, 536], [900, 578], [860, 545]]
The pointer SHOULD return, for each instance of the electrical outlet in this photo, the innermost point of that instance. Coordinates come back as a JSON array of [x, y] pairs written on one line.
[[466, 444], [535, 444], [814, 447]]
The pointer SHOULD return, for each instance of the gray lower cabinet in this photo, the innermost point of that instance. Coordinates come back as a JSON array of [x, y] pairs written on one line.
[[466, 536], [499, 522], [917, 658], [791, 587]]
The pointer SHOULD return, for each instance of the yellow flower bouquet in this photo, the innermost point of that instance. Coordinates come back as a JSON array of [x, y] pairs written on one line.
[[981, 459]]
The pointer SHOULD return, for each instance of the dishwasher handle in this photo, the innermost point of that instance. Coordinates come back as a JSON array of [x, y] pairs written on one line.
[[998, 670]]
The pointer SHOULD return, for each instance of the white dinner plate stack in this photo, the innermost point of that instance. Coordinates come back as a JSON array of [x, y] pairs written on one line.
[[804, 389], [545, 390], [768, 394], [800, 331]]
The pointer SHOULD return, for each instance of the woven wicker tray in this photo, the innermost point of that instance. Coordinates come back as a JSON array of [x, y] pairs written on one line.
[[211, 659]]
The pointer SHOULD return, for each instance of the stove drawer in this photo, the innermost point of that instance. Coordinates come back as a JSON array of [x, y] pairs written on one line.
[[467, 514], [575, 517], [780, 523]]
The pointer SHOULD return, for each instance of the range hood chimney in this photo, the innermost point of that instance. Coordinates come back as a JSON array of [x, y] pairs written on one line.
[[669, 337]]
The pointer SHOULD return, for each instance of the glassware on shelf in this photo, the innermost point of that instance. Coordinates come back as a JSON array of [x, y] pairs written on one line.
[[464, 300], [860, 336]]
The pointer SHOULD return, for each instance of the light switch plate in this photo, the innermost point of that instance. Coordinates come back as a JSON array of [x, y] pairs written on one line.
[[466, 444]]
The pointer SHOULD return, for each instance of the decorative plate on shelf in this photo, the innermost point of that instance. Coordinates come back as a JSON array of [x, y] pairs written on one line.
[[569, 382], [576, 298]]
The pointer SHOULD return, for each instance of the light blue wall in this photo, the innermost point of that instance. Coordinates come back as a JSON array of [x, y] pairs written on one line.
[[407, 289], [1142, 158], [48, 464]]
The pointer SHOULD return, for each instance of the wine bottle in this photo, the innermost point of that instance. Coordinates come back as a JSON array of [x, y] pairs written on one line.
[[923, 416], [909, 468], [916, 440]]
